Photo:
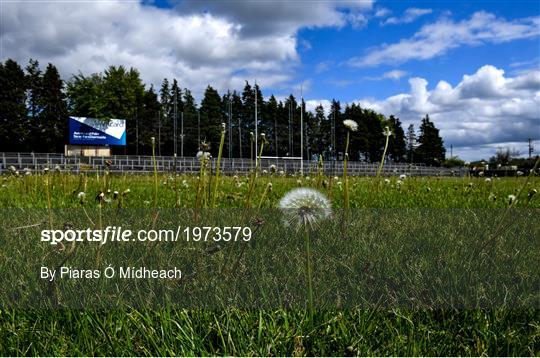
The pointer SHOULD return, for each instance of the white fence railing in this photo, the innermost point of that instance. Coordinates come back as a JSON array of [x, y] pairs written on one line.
[[37, 162]]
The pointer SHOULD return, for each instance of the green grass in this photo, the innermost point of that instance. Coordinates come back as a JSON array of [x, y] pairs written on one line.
[[364, 330]]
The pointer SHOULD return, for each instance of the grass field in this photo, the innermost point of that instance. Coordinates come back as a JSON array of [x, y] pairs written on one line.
[[462, 215]]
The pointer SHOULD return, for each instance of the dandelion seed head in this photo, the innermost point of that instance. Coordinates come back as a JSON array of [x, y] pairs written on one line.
[[387, 181], [304, 208], [512, 199], [351, 125], [387, 132], [81, 195], [203, 155], [402, 177], [488, 180], [519, 173]]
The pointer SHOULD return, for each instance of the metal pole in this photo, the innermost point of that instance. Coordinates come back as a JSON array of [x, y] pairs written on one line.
[[230, 127], [175, 125], [199, 127], [302, 131], [256, 127], [159, 133], [136, 132], [182, 134]]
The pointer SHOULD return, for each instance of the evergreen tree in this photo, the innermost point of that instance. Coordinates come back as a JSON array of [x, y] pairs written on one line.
[[211, 119], [145, 123], [431, 149], [271, 125], [53, 113], [411, 143], [13, 124], [191, 128], [336, 131], [396, 146], [33, 78]]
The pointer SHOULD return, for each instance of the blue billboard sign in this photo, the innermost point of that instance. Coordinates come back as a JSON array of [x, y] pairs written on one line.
[[93, 131]]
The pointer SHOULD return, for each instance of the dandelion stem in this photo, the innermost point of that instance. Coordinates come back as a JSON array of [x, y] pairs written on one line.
[[345, 179], [384, 155], [218, 167], [309, 271], [155, 173]]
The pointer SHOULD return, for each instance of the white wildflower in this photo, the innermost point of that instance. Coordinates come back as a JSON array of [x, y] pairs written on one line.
[[511, 199], [402, 177]]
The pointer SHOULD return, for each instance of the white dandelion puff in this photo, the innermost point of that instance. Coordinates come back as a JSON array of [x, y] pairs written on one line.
[[351, 125], [305, 208], [81, 195], [402, 177], [203, 155], [512, 199]]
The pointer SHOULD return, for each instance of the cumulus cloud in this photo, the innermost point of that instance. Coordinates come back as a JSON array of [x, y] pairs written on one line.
[[410, 15], [483, 111], [199, 43], [438, 38]]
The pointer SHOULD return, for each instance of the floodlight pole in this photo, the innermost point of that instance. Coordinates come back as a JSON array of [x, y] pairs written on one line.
[[301, 131], [230, 126], [175, 125], [199, 128], [182, 134], [256, 127]]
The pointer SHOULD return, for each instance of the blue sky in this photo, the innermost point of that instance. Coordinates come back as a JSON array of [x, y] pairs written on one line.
[[473, 66]]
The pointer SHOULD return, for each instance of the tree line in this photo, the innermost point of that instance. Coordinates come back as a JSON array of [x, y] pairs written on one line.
[[35, 106]]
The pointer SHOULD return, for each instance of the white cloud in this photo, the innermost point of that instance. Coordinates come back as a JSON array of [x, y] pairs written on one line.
[[438, 38], [199, 43], [312, 104], [382, 12], [394, 75], [410, 15], [484, 110]]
